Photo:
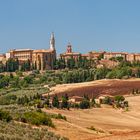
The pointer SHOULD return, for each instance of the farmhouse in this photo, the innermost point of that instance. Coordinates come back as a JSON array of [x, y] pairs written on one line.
[[75, 99]]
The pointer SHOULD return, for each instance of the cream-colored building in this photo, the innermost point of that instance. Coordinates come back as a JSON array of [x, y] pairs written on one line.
[[41, 59], [3, 58], [21, 54], [109, 55]]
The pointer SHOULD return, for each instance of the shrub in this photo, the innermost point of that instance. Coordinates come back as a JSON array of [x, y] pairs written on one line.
[[85, 104], [7, 99], [28, 79], [52, 84], [5, 116], [119, 98], [36, 118], [58, 116]]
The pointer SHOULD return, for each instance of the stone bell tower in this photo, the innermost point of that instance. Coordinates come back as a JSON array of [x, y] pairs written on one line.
[[52, 42]]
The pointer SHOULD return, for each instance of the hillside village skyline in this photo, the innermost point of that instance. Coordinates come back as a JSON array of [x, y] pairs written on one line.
[[75, 48]]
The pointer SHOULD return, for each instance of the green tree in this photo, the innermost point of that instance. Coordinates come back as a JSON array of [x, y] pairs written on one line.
[[65, 103], [84, 104], [26, 66], [55, 101], [12, 65]]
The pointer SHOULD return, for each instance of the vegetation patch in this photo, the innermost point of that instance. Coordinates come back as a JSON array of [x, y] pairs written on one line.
[[17, 131], [36, 118]]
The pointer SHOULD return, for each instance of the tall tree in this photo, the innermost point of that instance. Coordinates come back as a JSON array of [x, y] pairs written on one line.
[[55, 101]]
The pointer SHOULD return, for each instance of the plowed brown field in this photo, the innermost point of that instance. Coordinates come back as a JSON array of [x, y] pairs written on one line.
[[95, 88], [109, 123]]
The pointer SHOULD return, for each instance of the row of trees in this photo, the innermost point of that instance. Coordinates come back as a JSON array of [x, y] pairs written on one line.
[[68, 76], [55, 101], [12, 65], [71, 63], [64, 103], [15, 81]]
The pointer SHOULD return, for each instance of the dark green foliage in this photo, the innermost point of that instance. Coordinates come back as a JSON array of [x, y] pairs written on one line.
[[119, 73], [73, 63], [4, 81], [14, 83], [126, 104], [28, 79], [119, 98], [100, 73], [23, 100], [55, 101], [2, 67], [59, 64], [65, 103], [47, 100], [12, 65], [8, 99], [85, 104], [26, 66], [5, 116], [119, 59], [107, 100], [36, 118]]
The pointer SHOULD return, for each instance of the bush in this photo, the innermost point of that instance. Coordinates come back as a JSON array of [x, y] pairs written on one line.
[[7, 99], [58, 116], [36, 118], [119, 98], [28, 79], [5, 116], [52, 84], [16, 131], [85, 104], [19, 73]]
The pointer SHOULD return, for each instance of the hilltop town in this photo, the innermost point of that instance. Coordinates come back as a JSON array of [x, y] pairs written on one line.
[[45, 59], [49, 96]]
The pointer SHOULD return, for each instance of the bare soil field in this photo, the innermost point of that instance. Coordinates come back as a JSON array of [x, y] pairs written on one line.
[[109, 123], [96, 88]]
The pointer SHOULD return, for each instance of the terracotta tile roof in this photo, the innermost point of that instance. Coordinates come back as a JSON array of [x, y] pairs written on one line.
[[17, 50], [43, 50], [124, 53], [87, 55], [72, 53], [75, 97]]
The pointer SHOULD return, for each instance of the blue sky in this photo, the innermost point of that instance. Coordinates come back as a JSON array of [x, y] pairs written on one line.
[[111, 25]]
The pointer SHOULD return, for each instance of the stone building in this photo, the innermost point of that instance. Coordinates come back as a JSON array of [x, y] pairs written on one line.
[[109, 55], [126, 56], [2, 58], [41, 59], [96, 55], [75, 99], [70, 54], [136, 57], [20, 54], [44, 59]]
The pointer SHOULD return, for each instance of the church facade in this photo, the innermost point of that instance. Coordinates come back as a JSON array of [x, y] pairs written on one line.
[[40, 59]]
